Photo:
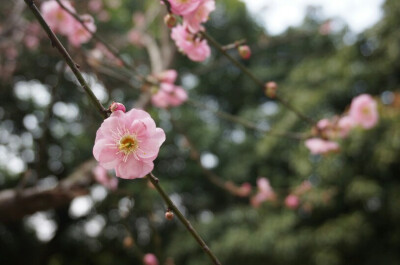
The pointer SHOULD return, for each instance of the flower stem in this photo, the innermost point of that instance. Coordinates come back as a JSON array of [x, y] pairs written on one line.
[[182, 218], [74, 66]]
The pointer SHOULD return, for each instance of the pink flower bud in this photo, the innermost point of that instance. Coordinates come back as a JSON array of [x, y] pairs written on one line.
[[292, 201], [170, 20], [169, 215], [150, 259], [244, 51], [117, 106], [270, 89]]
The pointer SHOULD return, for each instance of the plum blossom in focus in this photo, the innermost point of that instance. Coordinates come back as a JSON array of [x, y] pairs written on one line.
[[321, 146], [363, 111], [184, 7], [129, 143], [168, 94], [115, 106], [102, 177], [200, 15], [196, 49], [265, 193], [150, 259]]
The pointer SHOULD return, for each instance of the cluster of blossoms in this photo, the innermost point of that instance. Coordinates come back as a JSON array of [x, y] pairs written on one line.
[[128, 142], [168, 94], [194, 13], [362, 113], [292, 201], [62, 22]]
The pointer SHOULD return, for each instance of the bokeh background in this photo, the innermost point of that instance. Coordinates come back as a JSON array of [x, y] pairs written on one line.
[[351, 215]]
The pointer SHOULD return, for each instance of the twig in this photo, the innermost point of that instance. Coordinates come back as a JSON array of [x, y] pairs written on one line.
[[114, 51], [182, 218], [249, 124], [246, 71]]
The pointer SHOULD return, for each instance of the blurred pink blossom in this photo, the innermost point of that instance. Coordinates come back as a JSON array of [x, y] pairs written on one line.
[[150, 259], [95, 6], [292, 201], [187, 43], [58, 19], [184, 7], [363, 111], [167, 76], [320, 146], [102, 177], [128, 142], [169, 95], [345, 124], [79, 34], [200, 15], [265, 192]]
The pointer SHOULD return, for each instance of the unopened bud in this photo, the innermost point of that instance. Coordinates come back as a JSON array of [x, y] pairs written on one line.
[[170, 20], [169, 215], [128, 242], [244, 51], [117, 106], [270, 89]]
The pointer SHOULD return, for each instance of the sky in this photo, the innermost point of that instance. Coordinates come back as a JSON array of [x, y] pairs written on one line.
[[277, 15]]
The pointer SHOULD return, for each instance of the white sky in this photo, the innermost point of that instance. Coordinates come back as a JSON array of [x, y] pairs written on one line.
[[277, 15]]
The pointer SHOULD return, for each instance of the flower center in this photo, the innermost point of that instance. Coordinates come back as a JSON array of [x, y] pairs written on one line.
[[365, 111], [128, 144]]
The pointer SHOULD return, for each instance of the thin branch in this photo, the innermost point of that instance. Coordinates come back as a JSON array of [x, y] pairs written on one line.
[[74, 67], [248, 124], [246, 71], [182, 218], [114, 51], [228, 186]]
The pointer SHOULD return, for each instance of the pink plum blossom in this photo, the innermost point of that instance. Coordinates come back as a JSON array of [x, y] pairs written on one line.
[[265, 192], [320, 146], [169, 95], [150, 259], [128, 142], [187, 43], [184, 7], [58, 19], [79, 34], [167, 76], [363, 111], [200, 15], [344, 125], [102, 177], [292, 201]]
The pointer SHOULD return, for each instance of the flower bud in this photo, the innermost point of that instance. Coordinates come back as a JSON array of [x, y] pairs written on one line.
[[170, 20], [270, 89], [117, 106], [169, 215], [128, 242], [244, 51]]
